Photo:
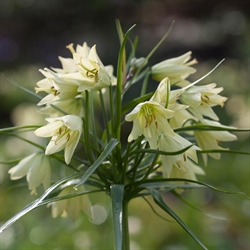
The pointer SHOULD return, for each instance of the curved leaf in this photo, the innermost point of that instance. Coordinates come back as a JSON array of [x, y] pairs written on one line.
[[35, 203], [156, 151], [223, 151], [107, 150], [156, 183], [197, 208], [22, 88], [159, 201], [210, 128]]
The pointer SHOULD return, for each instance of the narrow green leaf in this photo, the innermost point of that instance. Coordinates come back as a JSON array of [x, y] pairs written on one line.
[[35, 203], [160, 183], [152, 208], [21, 128], [203, 77], [107, 150], [160, 42], [223, 151], [210, 128], [28, 141], [119, 30], [190, 204], [120, 75], [64, 197], [156, 151], [117, 195], [22, 88], [159, 201]]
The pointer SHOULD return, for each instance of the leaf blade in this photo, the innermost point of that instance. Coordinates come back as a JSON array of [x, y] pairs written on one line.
[[159, 201], [107, 150]]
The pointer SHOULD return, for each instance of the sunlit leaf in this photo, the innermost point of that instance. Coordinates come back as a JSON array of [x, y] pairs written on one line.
[[35, 203]]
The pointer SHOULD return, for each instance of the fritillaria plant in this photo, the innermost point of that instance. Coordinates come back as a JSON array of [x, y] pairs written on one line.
[[170, 126]]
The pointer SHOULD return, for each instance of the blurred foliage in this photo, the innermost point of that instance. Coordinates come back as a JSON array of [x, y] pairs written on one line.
[[34, 33]]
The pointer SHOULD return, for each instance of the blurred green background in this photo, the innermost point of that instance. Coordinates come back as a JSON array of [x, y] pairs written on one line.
[[34, 33]]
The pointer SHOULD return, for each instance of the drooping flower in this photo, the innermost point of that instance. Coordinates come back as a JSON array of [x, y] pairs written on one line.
[[36, 167], [58, 88], [91, 74], [173, 144], [65, 132], [189, 172], [208, 140], [169, 98], [71, 106], [176, 69], [71, 206], [68, 66], [201, 99], [151, 120]]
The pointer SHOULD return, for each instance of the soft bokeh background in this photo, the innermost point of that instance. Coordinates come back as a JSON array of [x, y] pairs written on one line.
[[34, 33]]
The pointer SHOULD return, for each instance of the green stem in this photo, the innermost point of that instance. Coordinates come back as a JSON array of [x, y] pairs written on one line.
[[145, 84], [120, 217], [86, 129], [93, 121], [105, 115], [125, 226]]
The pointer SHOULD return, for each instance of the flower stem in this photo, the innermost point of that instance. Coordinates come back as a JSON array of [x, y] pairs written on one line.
[[120, 217], [125, 227]]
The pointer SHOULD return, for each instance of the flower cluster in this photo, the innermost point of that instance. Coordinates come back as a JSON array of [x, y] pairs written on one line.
[[175, 105], [170, 109]]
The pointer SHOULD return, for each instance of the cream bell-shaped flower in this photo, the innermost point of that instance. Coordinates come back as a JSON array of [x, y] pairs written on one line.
[[173, 144], [150, 119], [169, 98], [68, 66], [201, 99], [211, 139], [57, 87], [92, 74], [71, 106], [190, 171], [166, 97], [65, 132], [71, 206], [36, 167], [176, 69]]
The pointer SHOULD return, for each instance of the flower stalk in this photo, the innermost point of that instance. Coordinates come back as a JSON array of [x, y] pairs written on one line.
[[157, 156]]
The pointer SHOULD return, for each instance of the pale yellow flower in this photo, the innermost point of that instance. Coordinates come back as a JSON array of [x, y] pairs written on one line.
[[188, 172], [91, 74], [71, 206], [68, 66], [72, 106], [208, 140], [36, 167], [176, 69], [201, 99], [169, 98], [65, 132], [58, 89], [150, 119], [173, 144]]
